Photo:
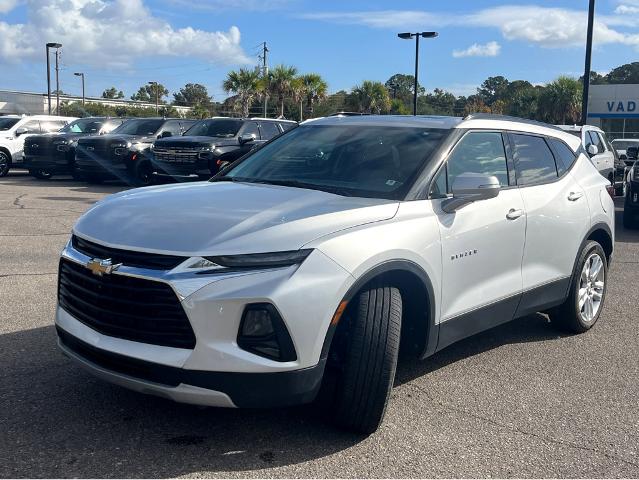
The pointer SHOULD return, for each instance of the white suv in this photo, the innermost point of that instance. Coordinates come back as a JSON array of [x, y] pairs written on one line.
[[310, 263], [14, 130], [597, 147]]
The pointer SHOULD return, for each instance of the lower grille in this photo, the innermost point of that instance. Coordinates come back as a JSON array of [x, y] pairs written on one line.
[[124, 307], [130, 258]]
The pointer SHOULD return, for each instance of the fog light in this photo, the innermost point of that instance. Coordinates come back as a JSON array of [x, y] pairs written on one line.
[[262, 332], [257, 323]]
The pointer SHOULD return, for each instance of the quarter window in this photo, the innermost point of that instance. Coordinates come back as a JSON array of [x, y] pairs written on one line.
[[477, 152], [565, 156], [533, 160]]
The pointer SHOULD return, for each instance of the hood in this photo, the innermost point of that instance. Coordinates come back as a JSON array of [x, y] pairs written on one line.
[[194, 141], [224, 218], [51, 137]]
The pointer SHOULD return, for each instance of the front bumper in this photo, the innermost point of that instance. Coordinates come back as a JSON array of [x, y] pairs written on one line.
[[50, 164], [217, 371]]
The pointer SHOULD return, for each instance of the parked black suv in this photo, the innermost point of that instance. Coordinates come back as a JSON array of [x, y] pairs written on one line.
[[124, 153], [210, 144], [54, 153]]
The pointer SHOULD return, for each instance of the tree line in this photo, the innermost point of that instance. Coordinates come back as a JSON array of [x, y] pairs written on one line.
[[300, 96]]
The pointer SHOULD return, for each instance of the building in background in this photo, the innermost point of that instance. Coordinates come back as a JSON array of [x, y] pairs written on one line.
[[28, 103], [615, 109]]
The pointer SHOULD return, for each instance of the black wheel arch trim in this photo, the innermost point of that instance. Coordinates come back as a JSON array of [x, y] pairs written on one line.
[[432, 333]]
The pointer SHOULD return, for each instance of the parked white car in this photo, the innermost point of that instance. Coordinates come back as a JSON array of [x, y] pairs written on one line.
[[311, 262], [596, 146], [14, 130], [622, 144]]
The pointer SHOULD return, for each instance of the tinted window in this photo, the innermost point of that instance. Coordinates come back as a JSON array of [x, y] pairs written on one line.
[[286, 125], [565, 156], [477, 152], [251, 128], [139, 127], [352, 160], [269, 130], [533, 160], [7, 123], [217, 127], [185, 125], [84, 125], [173, 127], [595, 140]]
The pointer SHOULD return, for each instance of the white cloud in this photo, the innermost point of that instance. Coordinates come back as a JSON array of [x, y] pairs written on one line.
[[111, 33], [544, 26], [7, 5], [490, 49], [238, 5]]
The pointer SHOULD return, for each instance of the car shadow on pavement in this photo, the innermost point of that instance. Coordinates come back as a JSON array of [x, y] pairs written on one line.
[[59, 421], [532, 328]]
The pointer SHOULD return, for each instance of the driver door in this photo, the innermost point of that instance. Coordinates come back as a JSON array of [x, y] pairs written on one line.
[[482, 243]]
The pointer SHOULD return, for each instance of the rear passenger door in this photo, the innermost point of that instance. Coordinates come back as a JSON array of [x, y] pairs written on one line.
[[557, 217]]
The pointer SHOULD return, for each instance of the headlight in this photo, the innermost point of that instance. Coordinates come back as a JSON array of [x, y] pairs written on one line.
[[250, 261]]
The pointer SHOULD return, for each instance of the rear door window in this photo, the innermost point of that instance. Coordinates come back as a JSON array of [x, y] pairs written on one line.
[[32, 126], [534, 161]]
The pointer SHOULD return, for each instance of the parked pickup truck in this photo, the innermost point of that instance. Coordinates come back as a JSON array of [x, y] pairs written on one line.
[[54, 153], [210, 144], [123, 154]]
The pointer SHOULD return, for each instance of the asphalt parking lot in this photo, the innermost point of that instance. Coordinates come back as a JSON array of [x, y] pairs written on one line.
[[516, 401]]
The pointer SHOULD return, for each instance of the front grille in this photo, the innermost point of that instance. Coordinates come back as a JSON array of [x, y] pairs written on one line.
[[152, 261], [124, 307], [39, 147], [176, 155]]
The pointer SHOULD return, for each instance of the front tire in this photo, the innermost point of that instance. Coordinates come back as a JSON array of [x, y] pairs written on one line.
[[40, 174], [582, 308], [369, 347], [5, 163], [143, 175]]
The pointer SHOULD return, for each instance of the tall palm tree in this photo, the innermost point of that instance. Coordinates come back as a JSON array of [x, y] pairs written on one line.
[[299, 92], [280, 83], [246, 85], [316, 89], [372, 97]]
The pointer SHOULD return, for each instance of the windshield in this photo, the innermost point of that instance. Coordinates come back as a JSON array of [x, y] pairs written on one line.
[[226, 128], [364, 161], [624, 144], [7, 123], [139, 127], [84, 125]]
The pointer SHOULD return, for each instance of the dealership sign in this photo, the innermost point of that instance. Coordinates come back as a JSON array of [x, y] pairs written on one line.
[[614, 101], [628, 106]]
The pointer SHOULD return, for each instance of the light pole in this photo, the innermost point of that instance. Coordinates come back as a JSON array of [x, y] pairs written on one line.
[[56, 46], [408, 36], [586, 87], [81, 74], [157, 100]]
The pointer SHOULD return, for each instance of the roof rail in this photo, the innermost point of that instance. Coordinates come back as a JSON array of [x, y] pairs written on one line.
[[508, 118]]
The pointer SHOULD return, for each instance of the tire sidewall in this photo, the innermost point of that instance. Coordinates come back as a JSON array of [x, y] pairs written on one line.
[[5, 164]]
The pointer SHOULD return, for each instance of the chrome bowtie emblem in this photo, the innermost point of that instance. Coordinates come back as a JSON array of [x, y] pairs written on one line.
[[35, 145], [102, 267], [90, 149]]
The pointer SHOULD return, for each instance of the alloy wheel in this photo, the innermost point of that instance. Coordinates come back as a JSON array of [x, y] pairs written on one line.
[[591, 287]]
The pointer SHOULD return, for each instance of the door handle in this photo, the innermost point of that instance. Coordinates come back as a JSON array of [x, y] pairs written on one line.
[[514, 214], [574, 196]]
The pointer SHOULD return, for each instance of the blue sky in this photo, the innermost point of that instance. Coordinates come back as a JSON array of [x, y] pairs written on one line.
[[126, 43]]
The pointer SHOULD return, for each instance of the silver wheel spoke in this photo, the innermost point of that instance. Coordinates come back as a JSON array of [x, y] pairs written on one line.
[[596, 268], [591, 287], [582, 298]]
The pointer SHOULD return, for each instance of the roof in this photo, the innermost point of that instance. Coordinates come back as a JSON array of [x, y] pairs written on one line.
[[577, 128], [269, 119], [424, 121]]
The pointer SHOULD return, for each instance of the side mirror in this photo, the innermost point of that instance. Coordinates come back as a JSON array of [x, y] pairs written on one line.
[[592, 149], [21, 131], [165, 134], [246, 138], [632, 153], [469, 188]]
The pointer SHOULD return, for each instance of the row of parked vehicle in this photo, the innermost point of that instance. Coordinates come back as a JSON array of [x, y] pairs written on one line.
[[133, 150]]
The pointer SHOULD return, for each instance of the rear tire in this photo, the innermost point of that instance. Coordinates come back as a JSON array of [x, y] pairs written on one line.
[[369, 346], [582, 308]]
